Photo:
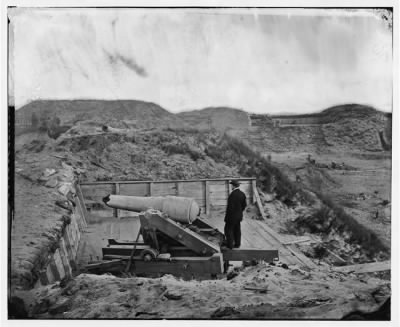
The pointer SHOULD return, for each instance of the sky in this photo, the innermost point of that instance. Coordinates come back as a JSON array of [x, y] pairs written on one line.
[[259, 60]]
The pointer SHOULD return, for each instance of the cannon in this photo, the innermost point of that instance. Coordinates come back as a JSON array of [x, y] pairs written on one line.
[[181, 209], [175, 240]]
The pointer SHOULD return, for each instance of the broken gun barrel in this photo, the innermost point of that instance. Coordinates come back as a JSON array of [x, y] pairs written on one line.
[[180, 209]]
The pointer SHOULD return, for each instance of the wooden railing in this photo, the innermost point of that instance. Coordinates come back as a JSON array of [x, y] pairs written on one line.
[[208, 193]]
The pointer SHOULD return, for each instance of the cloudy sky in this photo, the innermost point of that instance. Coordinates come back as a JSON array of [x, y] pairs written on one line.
[[266, 61]]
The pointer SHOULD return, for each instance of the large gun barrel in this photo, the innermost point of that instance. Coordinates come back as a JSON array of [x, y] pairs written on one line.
[[180, 209]]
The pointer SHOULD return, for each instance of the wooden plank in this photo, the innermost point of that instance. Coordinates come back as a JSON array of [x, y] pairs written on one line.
[[123, 250], [259, 204], [298, 239], [218, 192], [256, 237], [184, 236], [178, 190], [248, 195], [182, 265], [254, 186], [53, 269], [336, 256], [218, 202], [64, 257], [192, 189], [163, 189], [151, 188], [141, 189], [365, 267], [115, 231], [270, 232], [116, 191], [218, 197], [301, 257], [68, 247], [250, 254], [201, 202], [120, 257], [207, 196], [246, 186], [214, 180], [201, 222], [82, 202], [287, 254], [104, 264]]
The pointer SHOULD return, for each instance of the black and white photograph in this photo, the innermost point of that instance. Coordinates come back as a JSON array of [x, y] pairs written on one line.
[[200, 163]]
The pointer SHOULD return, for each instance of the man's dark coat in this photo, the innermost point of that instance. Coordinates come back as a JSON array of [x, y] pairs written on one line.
[[236, 204]]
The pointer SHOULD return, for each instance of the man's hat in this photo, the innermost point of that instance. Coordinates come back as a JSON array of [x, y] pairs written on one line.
[[235, 183]]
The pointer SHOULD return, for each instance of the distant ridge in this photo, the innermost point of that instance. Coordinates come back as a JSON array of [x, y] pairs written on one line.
[[220, 118], [102, 111], [148, 114]]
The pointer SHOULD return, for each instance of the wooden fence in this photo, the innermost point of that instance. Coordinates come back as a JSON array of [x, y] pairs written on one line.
[[208, 193]]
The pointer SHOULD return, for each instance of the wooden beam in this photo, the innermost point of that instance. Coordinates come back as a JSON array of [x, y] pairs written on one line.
[[170, 181], [250, 254], [82, 221], [123, 250], [180, 266], [301, 257], [54, 269], [183, 235], [116, 192], [207, 197], [112, 242], [259, 204], [104, 264], [336, 256], [365, 267], [120, 257], [177, 266], [177, 188], [150, 188], [300, 239], [254, 186], [81, 199]]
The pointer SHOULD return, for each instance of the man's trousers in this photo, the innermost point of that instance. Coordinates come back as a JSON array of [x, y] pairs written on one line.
[[232, 234]]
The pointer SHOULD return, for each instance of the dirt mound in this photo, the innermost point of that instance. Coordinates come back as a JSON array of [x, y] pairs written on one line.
[[143, 155], [144, 114], [349, 127], [219, 118], [349, 111]]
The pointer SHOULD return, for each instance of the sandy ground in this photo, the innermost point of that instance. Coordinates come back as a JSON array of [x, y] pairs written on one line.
[[259, 292]]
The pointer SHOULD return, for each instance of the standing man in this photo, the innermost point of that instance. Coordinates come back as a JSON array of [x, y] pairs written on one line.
[[234, 215]]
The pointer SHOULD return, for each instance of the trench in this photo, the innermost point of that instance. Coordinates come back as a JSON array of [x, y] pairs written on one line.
[[93, 224], [343, 240], [63, 262]]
